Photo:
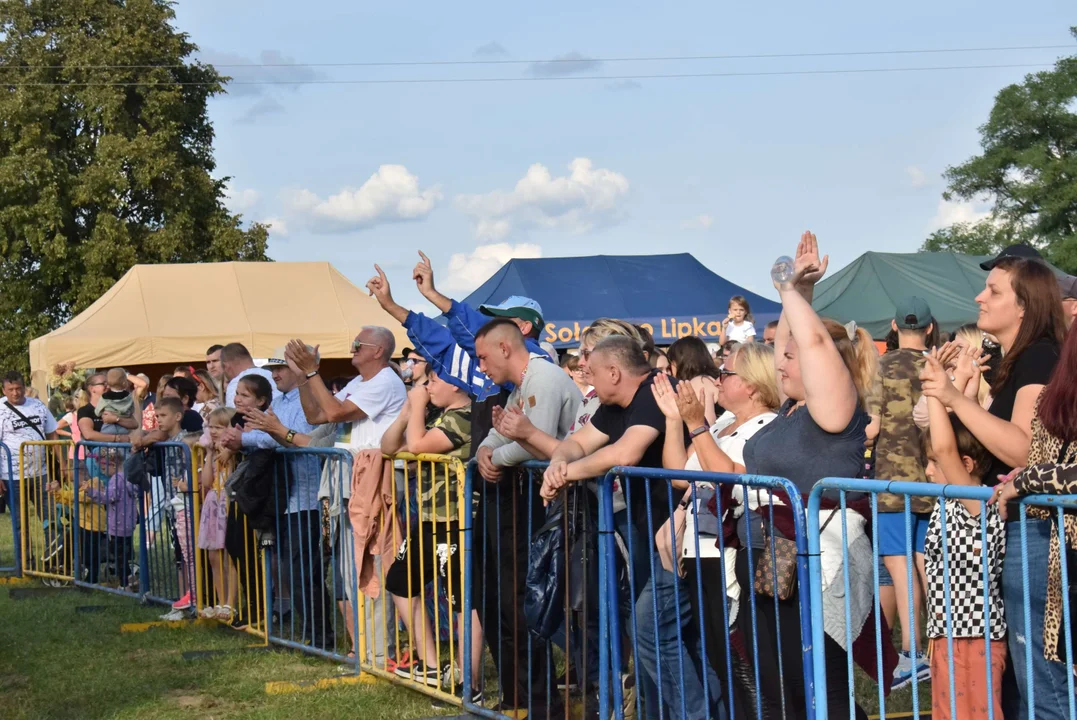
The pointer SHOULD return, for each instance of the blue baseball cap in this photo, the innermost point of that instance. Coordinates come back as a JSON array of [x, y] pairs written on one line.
[[516, 306]]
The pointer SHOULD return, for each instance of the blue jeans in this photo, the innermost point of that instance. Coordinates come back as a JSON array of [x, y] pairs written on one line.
[[1048, 678], [674, 657]]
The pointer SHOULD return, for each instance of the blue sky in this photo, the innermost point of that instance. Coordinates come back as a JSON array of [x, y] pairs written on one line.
[[731, 169]]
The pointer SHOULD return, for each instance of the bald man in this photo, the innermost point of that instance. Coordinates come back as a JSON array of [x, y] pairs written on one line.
[[547, 396]]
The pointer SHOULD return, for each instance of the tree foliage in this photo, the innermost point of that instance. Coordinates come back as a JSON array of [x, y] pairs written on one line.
[[981, 238], [1028, 166], [106, 158]]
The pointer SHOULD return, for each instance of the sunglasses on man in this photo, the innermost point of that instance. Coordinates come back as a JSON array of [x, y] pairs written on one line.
[[356, 345]]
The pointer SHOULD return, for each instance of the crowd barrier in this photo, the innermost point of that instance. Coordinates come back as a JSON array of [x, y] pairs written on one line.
[[45, 531], [12, 563], [966, 542], [625, 614]]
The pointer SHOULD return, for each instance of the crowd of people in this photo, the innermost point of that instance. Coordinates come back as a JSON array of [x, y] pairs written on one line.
[[702, 618]]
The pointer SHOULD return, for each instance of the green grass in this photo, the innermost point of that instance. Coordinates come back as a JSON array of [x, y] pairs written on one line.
[[57, 662]]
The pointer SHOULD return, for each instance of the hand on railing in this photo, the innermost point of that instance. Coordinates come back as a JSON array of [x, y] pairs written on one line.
[[485, 459], [1005, 491], [553, 480]]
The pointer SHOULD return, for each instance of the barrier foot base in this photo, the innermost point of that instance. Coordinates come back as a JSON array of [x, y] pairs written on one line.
[[13, 580], [167, 625], [288, 688]]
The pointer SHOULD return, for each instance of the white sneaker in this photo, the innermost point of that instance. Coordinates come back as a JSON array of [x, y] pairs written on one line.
[[174, 615], [209, 613]]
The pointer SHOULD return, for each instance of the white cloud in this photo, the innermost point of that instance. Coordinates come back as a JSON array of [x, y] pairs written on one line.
[[585, 198], [917, 178], [240, 201], [392, 194], [277, 227], [951, 212], [699, 222], [469, 270]]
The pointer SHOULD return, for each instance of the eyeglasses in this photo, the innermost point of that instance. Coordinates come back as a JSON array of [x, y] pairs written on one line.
[[356, 345], [723, 373]]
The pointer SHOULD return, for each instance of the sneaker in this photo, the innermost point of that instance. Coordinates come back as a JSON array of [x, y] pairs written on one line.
[[184, 603], [421, 674], [239, 623], [174, 615], [224, 612], [907, 669], [477, 698], [208, 613], [628, 695]]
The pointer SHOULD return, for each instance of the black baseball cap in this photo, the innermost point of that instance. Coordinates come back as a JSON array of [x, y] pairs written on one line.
[[1021, 250]]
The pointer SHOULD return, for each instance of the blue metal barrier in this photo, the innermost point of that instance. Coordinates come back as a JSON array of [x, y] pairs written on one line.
[[711, 668], [949, 533], [11, 485], [305, 576], [108, 509]]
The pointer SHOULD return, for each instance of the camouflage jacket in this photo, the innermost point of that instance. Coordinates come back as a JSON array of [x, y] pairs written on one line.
[[439, 486], [897, 451]]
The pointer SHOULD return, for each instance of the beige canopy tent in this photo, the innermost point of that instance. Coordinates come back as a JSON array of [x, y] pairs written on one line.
[[169, 314]]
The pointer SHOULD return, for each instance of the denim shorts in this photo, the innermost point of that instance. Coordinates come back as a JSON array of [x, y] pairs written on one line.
[[892, 532]]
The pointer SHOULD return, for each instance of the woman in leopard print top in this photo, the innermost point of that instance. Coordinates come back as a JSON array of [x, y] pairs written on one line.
[[1051, 470]]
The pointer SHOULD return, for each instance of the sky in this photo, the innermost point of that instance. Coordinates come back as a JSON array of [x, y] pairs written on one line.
[[731, 168]]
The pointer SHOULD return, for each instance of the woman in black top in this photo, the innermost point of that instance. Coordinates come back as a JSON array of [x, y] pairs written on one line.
[[1022, 307]]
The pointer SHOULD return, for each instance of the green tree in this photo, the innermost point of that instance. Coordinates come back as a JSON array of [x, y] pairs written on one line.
[[982, 238], [106, 158], [1028, 166]]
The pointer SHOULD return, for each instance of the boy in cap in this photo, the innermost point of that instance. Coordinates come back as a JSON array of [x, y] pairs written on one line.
[[897, 457]]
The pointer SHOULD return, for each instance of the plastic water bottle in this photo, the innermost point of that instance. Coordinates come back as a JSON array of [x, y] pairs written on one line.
[[782, 270]]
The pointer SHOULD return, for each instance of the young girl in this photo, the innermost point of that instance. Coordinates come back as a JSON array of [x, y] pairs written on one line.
[[956, 457], [215, 516], [738, 326], [121, 499]]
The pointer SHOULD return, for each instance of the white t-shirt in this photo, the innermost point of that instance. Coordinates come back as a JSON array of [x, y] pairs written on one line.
[[14, 431], [743, 332], [381, 398], [230, 391]]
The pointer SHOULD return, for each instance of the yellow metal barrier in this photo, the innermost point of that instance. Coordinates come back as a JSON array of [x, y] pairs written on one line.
[[231, 573], [427, 531], [46, 475]]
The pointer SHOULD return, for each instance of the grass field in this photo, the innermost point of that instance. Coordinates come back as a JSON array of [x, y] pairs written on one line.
[[62, 656]]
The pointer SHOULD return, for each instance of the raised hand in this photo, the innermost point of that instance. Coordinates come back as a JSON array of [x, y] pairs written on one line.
[[690, 405], [424, 275], [935, 382], [665, 396], [808, 267], [379, 287], [299, 358]]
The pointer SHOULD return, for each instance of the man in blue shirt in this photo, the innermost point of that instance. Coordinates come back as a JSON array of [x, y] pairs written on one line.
[[299, 537], [504, 511]]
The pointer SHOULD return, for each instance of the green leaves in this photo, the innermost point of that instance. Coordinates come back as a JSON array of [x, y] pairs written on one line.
[[96, 176], [1028, 167]]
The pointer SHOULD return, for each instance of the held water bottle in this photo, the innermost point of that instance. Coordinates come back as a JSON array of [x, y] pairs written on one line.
[[782, 270]]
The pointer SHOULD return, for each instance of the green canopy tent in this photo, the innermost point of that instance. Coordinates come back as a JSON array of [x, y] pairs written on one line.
[[866, 290]]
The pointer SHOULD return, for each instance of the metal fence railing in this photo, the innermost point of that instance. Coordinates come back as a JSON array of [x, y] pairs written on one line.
[[10, 563], [982, 583], [45, 520]]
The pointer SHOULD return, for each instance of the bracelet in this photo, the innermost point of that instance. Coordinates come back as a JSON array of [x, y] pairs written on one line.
[[312, 373], [698, 431], [302, 383]]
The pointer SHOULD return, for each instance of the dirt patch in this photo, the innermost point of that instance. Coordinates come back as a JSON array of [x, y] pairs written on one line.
[[188, 700], [13, 681]]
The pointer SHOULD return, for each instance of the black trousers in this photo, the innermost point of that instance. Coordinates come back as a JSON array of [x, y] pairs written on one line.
[[504, 512], [302, 571], [93, 552], [771, 686]]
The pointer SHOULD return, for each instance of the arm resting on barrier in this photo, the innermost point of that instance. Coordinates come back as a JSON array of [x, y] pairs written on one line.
[[1047, 479], [628, 450]]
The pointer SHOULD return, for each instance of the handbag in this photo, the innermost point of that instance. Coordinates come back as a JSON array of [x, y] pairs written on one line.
[[775, 575]]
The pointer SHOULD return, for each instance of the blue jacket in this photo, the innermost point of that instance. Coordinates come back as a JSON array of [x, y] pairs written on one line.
[[451, 350]]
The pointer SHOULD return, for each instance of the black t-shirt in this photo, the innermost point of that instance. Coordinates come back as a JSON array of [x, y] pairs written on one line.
[[191, 421], [1033, 367], [87, 411], [614, 421]]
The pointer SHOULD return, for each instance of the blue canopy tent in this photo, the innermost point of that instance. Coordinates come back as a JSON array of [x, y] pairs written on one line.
[[674, 295]]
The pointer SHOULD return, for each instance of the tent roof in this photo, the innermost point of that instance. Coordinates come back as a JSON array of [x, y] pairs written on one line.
[[172, 313], [675, 294], [867, 289]]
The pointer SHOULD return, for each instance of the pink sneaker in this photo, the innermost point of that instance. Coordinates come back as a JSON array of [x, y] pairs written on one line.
[[184, 603]]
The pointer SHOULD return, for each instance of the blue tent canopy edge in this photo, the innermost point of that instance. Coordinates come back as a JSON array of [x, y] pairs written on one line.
[[674, 295]]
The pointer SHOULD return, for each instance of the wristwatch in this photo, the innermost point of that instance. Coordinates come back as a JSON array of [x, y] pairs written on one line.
[[697, 432], [311, 374], [289, 437]]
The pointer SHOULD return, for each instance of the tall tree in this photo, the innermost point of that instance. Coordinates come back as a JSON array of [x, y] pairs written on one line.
[[106, 158], [1028, 166], [981, 238]]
